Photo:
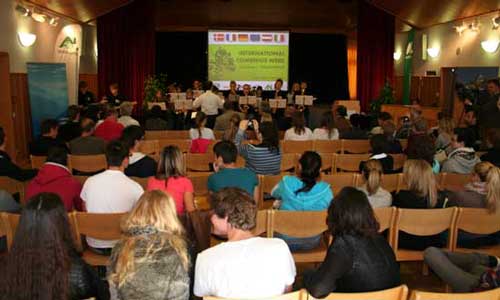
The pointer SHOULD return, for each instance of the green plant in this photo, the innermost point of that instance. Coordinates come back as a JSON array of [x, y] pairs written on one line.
[[386, 96], [152, 85]]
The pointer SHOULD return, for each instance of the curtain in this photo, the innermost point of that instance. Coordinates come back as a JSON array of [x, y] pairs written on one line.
[[126, 49], [376, 30], [352, 66]]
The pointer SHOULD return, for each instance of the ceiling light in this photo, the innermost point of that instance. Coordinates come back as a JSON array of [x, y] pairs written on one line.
[[397, 55], [54, 21], [38, 17], [433, 52], [496, 22], [26, 39], [490, 46], [474, 27], [460, 28], [22, 10]]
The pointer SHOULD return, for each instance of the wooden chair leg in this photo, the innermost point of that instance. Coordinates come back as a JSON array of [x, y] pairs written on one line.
[[425, 269]]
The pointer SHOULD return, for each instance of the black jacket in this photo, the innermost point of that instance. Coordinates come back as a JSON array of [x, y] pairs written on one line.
[[355, 264], [493, 156], [85, 283], [69, 131], [9, 169], [42, 144], [143, 168]]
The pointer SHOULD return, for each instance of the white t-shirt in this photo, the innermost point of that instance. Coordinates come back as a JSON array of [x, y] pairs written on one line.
[[109, 192], [210, 103], [322, 134], [206, 133], [292, 136], [248, 269], [128, 121]]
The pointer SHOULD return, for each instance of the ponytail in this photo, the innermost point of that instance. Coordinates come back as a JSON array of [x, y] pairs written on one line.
[[310, 164], [199, 122], [493, 189], [372, 172]]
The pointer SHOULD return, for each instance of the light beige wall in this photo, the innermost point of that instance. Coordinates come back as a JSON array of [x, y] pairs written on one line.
[[456, 50]]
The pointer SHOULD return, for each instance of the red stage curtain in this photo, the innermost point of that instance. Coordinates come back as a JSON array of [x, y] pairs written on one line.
[[126, 49], [375, 52]]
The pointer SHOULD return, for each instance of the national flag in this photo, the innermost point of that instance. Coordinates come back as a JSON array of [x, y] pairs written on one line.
[[276, 38], [255, 37], [218, 37], [282, 38], [267, 37], [233, 38], [243, 37], [228, 37]]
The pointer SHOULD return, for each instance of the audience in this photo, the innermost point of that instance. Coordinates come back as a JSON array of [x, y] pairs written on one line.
[[227, 174], [210, 104], [327, 130], [9, 168], [306, 192], [113, 97], [245, 267], [389, 131], [110, 191], [382, 118], [49, 129], [358, 129], [71, 129], [359, 259], [341, 122], [380, 148], [151, 261], [155, 120], [125, 119], [223, 122], [55, 177], [85, 97], [139, 164], [234, 125], [462, 157], [43, 262], [109, 129], [372, 173], [423, 148], [87, 144], [493, 154], [201, 136], [418, 128], [263, 158], [171, 178], [299, 131]]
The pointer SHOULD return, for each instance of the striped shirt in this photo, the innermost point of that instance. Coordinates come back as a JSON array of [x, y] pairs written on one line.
[[260, 160]]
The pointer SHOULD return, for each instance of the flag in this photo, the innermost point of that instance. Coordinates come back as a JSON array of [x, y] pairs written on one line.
[[255, 37], [233, 37], [267, 37], [218, 37], [407, 67], [282, 38], [243, 37], [276, 38]]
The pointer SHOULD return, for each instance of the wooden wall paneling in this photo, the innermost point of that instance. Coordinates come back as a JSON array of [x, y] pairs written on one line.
[[22, 111], [91, 80], [430, 90], [398, 89], [6, 111], [414, 88]]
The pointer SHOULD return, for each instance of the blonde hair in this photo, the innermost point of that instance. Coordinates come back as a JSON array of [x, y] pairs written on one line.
[[446, 125], [372, 172], [154, 213], [421, 180], [266, 117], [490, 174], [171, 164]]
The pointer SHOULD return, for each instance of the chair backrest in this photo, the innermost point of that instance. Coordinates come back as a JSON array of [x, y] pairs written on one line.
[[291, 223], [200, 186], [266, 184], [37, 161], [298, 295], [486, 295], [476, 221], [13, 187], [326, 161], [356, 146], [385, 217], [149, 147], [296, 146], [339, 180], [166, 134], [98, 226], [288, 162], [453, 182], [349, 162], [9, 223], [87, 163], [198, 162], [390, 182], [397, 293], [262, 222], [321, 146], [184, 145], [142, 181], [399, 161], [404, 143]]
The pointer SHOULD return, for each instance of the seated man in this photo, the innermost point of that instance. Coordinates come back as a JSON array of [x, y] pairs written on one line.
[[48, 138], [125, 119], [7, 167], [71, 129], [462, 158], [228, 175], [109, 129], [110, 191], [87, 144], [54, 177], [245, 267]]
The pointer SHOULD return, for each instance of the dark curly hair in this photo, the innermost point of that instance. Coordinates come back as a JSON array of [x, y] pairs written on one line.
[[39, 262], [351, 214], [237, 205]]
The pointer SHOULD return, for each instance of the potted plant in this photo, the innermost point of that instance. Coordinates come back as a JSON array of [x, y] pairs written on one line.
[[152, 85], [386, 96]]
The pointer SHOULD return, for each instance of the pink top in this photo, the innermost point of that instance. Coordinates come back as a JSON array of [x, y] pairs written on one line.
[[176, 187]]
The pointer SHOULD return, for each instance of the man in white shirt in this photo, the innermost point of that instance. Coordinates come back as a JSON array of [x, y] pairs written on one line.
[[245, 267], [210, 104], [110, 191]]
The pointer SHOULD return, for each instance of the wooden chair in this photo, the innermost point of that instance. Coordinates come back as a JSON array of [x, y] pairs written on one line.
[[37, 161], [339, 181], [142, 181], [397, 293], [200, 185], [326, 162], [356, 146], [390, 182], [184, 145], [97, 226], [219, 134], [477, 221], [453, 182], [334, 146], [4, 228], [422, 222], [385, 217], [9, 223], [399, 161], [13, 187], [266, 185], [196, 162], [349, 162], [298, 295], [81, 179], [149, 147], [296, 146], [288, 162], [167, 134], [291, 223], [87, 163], [486, 295]]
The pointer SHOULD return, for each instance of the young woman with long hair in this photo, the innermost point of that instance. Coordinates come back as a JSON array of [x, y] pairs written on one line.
[[359, 259], [299, 131], [171, 178], [327, 130], [372, 173], [446, 125], [200, 131], [234, 123], [43, 263], [151, 261]]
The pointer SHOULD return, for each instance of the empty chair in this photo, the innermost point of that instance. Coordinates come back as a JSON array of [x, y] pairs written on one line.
[[349, 162], [87, 163], [326, 162], [356, 146], [288, 162], [487, 295], [340, 180], [296, 146], [198, 162], [397, 293], [13, 187], [37, 161], [184, 145], [321, 146]]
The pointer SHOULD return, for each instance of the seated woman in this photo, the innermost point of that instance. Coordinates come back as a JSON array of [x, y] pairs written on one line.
[[446, 125], [43, 262], [422, 193], [372, 173], [171, 178], [380, 148], [304, 193], [327, 130], [299, 131], [151, 261], [140, 165], [234, 124], [423, 148], [264, 158], [201, 136], [359, 259]]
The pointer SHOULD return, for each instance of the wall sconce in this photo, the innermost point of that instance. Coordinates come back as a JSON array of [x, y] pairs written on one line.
[[397, 55], [39, 17], [26, 39], [460, 28], [496, 23], [433, 52], [490, 46]]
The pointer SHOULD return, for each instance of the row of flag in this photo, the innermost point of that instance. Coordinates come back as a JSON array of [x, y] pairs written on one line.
[[249, 37]]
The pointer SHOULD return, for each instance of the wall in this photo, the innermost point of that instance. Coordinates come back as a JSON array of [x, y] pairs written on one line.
[[456, 50], [88, 58]]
